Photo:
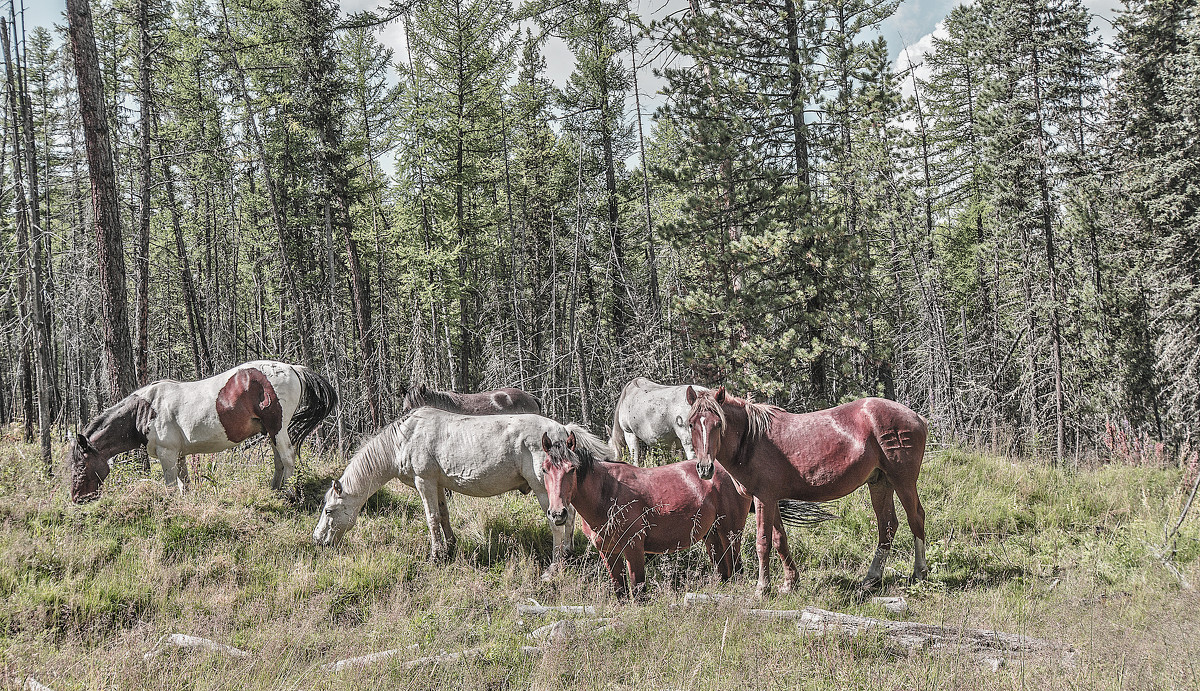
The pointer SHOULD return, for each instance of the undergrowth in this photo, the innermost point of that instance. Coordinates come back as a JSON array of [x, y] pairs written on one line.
[[1014, 545]]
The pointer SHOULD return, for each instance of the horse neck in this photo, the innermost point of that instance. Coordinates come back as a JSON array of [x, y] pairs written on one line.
[[373, 466], [588, 491], [734, 442], [117, 433]]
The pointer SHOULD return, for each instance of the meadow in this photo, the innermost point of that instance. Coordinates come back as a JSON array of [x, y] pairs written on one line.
[[1015, 545]]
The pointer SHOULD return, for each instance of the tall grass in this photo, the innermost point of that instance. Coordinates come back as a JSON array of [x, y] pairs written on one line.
[[1015, 546]]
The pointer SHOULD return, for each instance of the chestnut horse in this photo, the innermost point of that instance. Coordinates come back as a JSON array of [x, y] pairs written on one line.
[[507, 401], [173, 419], [628, 511], [816, 456]]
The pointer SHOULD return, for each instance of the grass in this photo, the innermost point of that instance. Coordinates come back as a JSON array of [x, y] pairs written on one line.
[[1014, 546]]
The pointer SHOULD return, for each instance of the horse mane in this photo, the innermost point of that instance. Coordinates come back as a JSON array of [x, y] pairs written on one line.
[[758, 415], [589, 449], [374, 458], [421, 395]]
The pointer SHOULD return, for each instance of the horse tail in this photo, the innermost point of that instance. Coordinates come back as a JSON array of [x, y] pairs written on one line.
[[616, 440], [803, 513], [591, 443], [317, 400]]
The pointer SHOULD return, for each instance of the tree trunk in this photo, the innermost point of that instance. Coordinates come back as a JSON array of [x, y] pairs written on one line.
[[143, 240], [118, 349], [36, 324]]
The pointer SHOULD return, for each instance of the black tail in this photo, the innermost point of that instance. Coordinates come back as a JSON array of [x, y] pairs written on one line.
[[803, 513], [317, 401]]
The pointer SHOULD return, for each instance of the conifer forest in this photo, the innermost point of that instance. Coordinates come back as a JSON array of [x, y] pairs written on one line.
[[1006, 240]]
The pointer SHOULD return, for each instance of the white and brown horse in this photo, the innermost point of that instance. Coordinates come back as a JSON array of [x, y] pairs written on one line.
[[173, 419]]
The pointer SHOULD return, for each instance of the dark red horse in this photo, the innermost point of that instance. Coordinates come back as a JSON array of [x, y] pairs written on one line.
[[628, 511], [816, 456]]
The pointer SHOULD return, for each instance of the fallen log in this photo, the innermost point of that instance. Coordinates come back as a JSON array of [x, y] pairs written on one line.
[[444, 658], [981, 644], [536, 610], [180, 640], [364, 660], [565, 629]]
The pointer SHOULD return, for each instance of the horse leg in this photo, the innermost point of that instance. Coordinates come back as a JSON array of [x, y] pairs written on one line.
[[616, 570], [635, 565], [916, 523], [557, 534], [883, 501], [429, 491], [779, 542], [169, 460], [285, 460], [569, 533], [762, 545], [717, 546], [635, 451], [185, 475], [444, 516]]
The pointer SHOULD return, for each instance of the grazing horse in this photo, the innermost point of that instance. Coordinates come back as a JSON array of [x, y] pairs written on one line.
[[628, 511], [510, 401], [650, 412], [816, 456], [431, 450], [173, 419]]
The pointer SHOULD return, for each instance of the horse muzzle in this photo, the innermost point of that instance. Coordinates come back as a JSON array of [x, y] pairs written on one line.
[[557, 517], [704, 470]]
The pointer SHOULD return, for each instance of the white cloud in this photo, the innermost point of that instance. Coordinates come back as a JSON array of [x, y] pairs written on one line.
[[913, 56]]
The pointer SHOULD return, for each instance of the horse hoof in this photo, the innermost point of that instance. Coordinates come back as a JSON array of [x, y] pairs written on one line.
[[787, 587], [760, 593]]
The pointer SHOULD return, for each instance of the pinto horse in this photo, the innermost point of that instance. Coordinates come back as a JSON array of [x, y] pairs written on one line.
[[816, 456], [628, 511], [173, 419], [501, 401]]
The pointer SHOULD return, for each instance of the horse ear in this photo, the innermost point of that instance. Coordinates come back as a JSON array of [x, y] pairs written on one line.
[[546, 443], [82, 443], [337, 486], [720, 395], [571, 441], [691, 395]]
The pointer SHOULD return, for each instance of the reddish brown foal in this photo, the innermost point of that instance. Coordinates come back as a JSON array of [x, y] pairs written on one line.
[[816, 456], [628, 511]]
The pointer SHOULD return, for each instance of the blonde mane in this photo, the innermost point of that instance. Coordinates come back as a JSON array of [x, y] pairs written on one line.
[[375, 459], [758, 415]]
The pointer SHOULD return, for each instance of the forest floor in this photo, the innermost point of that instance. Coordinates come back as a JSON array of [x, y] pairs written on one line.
[[1014, 546]]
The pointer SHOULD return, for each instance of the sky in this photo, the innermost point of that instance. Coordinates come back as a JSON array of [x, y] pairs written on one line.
[[913, 26]]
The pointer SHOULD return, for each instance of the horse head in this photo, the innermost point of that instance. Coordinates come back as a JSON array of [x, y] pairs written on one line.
[[89, 468], [560, 475], [339, 512], [707, 420]]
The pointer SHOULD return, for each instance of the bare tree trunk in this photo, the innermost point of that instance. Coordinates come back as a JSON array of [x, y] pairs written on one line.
[[110, 251], [142, 259], [301, 307], [37, 326], [651, 253]]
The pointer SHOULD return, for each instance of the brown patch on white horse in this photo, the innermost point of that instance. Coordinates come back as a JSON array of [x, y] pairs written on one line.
[[248, 405]]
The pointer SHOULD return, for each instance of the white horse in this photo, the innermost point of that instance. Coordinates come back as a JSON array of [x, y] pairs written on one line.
[[650, 412], [173, 419], [433, 450]]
